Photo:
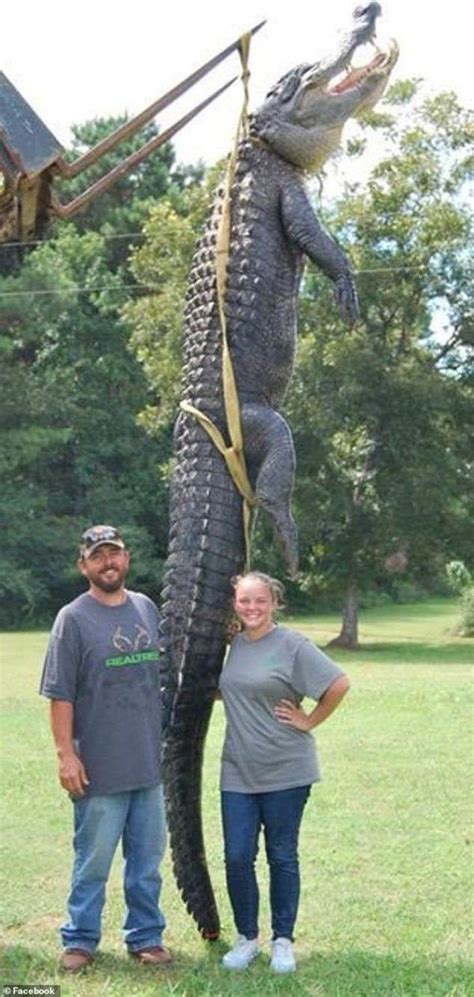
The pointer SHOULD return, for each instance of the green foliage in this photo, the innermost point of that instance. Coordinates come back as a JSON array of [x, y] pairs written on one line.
[[356, 147], [459, 578], [381, 416], [402, 92], [156, 320], [466, 626], [72, 452], [124, 207], [460, 582]]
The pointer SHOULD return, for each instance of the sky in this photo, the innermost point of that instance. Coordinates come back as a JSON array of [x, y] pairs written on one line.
[[73, 62]]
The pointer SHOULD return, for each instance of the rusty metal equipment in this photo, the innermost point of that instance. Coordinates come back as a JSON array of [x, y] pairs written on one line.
[[30, 155]]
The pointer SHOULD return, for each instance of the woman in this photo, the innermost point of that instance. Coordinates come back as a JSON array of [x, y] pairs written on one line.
[[269, 761]]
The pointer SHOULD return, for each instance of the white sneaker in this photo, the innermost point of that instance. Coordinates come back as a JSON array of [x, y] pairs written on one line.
[[283, 960], [242, 954]]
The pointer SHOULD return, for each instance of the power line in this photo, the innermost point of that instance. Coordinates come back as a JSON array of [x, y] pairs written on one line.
[[83, 288], [421, 266], [136, 235], [77, 288], [41, 242]]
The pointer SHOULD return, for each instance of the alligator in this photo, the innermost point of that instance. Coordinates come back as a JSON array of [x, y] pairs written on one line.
[[273, 230]]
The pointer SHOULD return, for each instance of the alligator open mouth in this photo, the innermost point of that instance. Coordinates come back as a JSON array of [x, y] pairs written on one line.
[[355, 75]]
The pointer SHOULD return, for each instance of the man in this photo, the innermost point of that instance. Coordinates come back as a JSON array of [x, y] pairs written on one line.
[[101, 674]]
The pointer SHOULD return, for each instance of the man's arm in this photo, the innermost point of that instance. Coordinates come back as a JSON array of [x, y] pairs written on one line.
[[72, 774]]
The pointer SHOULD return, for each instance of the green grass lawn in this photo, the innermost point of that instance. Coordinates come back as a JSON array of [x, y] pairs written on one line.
[[386, 843]]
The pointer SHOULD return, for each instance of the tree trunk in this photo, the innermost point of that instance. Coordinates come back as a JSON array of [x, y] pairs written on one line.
[[349, 635]]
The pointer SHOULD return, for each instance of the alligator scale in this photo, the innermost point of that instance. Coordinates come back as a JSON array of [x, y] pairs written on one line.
[[273, 230]]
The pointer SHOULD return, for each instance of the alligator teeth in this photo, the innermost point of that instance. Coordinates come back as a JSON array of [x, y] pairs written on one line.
[[339, 77]]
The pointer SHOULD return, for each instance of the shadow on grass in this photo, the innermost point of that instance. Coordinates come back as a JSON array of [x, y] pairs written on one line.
[[435, 608], [356, 973], [412, 652], [407, 652]]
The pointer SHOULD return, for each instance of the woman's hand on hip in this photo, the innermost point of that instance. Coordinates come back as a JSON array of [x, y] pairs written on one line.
[[291, 715]]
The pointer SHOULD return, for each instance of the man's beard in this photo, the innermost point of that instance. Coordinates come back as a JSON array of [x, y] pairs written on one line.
[[113, 585], [109, 586]]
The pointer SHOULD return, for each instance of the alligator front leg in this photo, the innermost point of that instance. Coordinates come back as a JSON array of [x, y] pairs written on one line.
[[270, 456], [306, 232]]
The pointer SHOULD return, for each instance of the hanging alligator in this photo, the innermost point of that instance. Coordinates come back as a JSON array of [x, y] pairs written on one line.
[[273, 230]]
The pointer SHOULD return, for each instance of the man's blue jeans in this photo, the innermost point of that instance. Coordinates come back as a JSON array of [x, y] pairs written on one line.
[[279, 813], [138, 819]]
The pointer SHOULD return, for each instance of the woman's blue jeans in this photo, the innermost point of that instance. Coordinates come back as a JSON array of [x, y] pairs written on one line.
[[279, 813], [137, 818]]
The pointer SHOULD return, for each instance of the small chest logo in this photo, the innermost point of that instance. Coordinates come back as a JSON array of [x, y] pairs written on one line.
[[133, 647], [271, 660], [139, 640]]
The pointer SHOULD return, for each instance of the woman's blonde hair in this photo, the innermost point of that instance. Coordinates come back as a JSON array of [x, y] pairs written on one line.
[[276, 588]]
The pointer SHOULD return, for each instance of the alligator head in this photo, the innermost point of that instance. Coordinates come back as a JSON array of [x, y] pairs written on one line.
[[304, 113]]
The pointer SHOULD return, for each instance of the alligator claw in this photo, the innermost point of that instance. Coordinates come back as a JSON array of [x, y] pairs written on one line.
[[346, 298]]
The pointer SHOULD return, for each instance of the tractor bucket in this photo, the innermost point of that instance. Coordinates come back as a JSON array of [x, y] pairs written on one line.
[[27, 152], [30, 156]]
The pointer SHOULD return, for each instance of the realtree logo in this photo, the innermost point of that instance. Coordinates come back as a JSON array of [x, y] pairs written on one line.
[[132, 659]]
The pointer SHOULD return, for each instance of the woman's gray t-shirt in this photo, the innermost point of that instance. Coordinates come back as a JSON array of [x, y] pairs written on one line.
[[260, 754]]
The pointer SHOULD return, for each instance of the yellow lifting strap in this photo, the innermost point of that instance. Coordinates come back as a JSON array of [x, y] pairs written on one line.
[[233, 455]]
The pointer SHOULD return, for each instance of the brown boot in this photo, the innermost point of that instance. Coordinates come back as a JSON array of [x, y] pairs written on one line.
[[74, 960], [153, 956]]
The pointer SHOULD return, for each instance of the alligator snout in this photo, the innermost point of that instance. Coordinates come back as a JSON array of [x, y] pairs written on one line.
[[364, 19]]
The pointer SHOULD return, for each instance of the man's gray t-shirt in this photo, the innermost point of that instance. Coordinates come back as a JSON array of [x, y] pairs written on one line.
[[260, 754], [105, 660]]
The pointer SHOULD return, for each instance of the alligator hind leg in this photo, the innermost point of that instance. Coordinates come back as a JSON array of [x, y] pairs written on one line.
[[270, 456]]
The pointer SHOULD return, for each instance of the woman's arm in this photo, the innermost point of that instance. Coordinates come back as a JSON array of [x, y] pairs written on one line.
[[294, 716]]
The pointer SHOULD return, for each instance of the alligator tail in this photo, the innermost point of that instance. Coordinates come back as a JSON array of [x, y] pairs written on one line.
[[206, 550]]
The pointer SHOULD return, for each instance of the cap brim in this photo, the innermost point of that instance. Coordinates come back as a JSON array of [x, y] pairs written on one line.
[[87, 551]]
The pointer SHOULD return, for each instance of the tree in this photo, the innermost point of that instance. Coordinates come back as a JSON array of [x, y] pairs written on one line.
[[388, 406], [72, 451], [156, 320]]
